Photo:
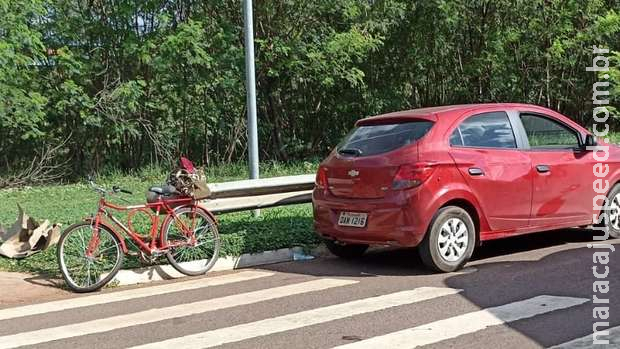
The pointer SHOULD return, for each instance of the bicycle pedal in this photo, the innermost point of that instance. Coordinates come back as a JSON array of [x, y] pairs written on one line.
[[133, 253]]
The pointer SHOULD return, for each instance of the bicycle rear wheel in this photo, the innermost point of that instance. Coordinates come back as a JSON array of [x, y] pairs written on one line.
[[187, 256], [84, 273]]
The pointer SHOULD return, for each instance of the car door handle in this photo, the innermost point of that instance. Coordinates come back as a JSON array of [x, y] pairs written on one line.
[[475, 171], [542, 168]]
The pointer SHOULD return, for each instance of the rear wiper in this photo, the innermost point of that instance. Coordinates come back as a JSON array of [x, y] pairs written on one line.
[[350, 151]]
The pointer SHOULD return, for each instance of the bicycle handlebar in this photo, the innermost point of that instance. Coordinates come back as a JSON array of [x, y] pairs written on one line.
[[121, 190], [96, 188], [103, 191]]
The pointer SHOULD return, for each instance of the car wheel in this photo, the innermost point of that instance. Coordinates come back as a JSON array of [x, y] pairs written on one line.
[[347, 251], [450, 240], [612, 220]]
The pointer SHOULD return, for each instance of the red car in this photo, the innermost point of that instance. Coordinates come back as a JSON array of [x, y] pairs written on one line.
[[447, 178]]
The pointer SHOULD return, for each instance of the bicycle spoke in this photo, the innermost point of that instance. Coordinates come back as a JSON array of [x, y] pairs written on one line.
[[79, 270], [106, 249], [88, 276], [86, 271], [83, 242], [195, 239]]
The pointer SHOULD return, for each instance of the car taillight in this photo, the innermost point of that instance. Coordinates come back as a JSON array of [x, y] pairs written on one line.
[[412, 175], [321, 178]]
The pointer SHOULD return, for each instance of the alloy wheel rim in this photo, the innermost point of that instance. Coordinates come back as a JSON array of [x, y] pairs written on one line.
[[453, 239], [614, 212]]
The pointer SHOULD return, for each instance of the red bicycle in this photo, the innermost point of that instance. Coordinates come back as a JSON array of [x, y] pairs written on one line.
[[90, 253]]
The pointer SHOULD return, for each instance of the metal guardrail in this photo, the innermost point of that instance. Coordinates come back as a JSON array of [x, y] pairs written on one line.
[[259, 193]]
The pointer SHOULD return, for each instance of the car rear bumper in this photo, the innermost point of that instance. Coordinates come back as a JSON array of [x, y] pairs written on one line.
[[391, 220]]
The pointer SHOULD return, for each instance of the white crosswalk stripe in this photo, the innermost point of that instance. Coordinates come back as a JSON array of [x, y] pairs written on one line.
[[302, 319], [159, 314], [106, 298], [426, 334], [467, 323], [586, 342]]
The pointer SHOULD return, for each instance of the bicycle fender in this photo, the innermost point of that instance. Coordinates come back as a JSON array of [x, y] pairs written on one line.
[[201, 208], [209, 213], [168, 218]]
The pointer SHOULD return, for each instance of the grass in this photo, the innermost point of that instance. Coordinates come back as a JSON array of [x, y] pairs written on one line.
[[278, 227]]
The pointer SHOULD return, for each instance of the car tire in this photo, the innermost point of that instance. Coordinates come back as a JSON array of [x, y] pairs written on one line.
[[446, 246], [612, 220], [346, 251]]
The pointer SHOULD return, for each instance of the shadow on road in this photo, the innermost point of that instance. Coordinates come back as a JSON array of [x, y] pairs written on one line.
[[531, 242], [391, 261], [501, 272]]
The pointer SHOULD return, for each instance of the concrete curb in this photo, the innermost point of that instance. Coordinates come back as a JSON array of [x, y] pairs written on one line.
[[167, 272]]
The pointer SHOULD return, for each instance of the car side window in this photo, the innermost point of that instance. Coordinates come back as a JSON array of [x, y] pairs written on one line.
[[488, 130], [455, 138], [545, 133]]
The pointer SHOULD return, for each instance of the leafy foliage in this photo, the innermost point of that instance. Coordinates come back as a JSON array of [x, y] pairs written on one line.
[[137, 82]]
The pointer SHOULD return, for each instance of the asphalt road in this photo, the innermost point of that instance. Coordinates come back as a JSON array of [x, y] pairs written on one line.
[[526, 292]]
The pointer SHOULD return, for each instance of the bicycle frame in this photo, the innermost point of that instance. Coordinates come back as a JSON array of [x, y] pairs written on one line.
[[156, 243]]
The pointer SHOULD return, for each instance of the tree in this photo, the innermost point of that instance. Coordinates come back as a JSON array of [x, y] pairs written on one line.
[[138, 82]]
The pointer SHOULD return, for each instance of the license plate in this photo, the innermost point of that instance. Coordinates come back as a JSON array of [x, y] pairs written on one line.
[[352, 219]]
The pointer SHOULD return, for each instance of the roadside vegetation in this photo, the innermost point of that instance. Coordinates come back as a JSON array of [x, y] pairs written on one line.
[[278, 227], [88, 86], [123, 88]]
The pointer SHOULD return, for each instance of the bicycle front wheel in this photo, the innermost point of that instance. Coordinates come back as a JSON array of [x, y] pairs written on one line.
[[84, 273], [193, 239]]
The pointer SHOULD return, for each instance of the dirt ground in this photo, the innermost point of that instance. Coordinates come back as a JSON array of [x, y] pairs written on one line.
[[17, 289]]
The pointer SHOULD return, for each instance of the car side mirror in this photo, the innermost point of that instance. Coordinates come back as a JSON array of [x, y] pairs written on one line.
[[589, 141]]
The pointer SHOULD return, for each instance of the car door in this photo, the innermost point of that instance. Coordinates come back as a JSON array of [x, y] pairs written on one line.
[[487, 154], [561, 170]]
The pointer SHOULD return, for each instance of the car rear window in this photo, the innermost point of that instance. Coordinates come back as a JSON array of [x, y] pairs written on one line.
[[377, 139]]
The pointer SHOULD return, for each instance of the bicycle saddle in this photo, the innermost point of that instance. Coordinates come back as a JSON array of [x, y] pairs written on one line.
[[164, 190]]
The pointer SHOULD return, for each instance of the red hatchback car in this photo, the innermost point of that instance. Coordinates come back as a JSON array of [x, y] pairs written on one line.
[[447, 178]]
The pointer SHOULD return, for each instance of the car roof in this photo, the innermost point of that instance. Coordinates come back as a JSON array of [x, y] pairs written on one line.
[[448, 111]]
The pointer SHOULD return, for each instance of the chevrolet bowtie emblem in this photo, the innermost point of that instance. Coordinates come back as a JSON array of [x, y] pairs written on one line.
[[354, 173]]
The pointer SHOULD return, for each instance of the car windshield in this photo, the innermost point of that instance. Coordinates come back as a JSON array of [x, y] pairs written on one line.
[[377, 139]]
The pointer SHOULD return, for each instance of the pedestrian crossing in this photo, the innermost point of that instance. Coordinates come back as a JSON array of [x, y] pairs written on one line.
[[466, 323], [280, 290], [119, 296], [307, 318], [160, 314]]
